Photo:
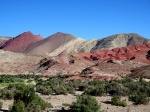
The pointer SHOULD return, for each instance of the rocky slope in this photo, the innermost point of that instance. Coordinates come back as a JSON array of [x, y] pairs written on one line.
[[60, 59], [120, 40], [49, 44], [17, 63], [141, 71], [74, 46], [20, 42], [138, 53], [64, 64]]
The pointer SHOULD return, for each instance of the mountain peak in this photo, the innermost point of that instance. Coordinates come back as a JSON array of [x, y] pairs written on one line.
[[49, 44], [26, 33], [20, 42], [120, 40], [29, 34], [61, 33]]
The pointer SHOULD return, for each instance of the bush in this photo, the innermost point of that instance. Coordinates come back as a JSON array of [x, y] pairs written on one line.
[[95, 91], [61, 90], [1, 104], [139, 98], [95, 88], [44, 90], [85, 103], [6, 94], [37, 105], [115, 88], [19, 106], [116, 100], [26, 99]]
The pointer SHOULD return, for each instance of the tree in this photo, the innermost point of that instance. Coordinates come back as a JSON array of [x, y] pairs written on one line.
[[85, 103]]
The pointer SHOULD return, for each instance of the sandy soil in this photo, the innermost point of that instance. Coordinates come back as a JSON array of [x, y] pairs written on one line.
[[58, 100], [6, 104], [104, 101]]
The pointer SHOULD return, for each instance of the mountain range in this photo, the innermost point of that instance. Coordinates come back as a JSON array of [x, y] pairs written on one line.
[[62, 53]]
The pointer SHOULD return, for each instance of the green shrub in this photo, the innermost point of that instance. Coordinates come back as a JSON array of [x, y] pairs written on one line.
[[115, 88], [44, 90], [28, 100], [1, 104], [6, 94], [19, 106], [85, 103], [61, 90], [116, 100], [139, 98], [95, 91], [37, 105]]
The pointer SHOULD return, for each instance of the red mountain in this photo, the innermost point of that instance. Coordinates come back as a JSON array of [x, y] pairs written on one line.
[[138, 53], [20, 42], [49, 44]]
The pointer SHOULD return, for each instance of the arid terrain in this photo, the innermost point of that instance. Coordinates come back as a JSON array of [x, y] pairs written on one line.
[[111, 58], [58, 100]]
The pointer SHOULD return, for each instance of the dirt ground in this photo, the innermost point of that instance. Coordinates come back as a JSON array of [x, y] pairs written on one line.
[[104, 101]]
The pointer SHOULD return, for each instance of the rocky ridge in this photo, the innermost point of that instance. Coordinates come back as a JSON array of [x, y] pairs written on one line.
[[136, 53], [120, 40]]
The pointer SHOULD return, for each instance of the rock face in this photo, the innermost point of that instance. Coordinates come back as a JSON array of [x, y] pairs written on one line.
[[49, 44], [120, 40], [138, 53], [21, 42]]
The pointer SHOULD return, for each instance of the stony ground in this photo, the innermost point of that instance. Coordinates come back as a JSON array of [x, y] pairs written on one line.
[[58, 100]]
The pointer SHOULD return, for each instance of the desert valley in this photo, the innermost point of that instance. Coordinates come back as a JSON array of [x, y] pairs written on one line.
[[62, 68]]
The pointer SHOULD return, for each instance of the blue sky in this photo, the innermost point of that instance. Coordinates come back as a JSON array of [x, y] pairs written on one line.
[[86, 19]]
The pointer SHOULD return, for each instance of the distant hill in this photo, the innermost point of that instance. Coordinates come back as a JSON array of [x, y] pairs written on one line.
[[49, 44], [120, 40], [74, 46], [4, 38], [20, 42], [59, 42], [137, 52], [61, 54]]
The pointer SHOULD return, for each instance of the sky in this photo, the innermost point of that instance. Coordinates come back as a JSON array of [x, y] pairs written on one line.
[[88, 19]]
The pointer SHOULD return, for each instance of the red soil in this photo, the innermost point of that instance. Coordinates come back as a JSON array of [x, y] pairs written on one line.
[[20, 42], [136, 53]]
